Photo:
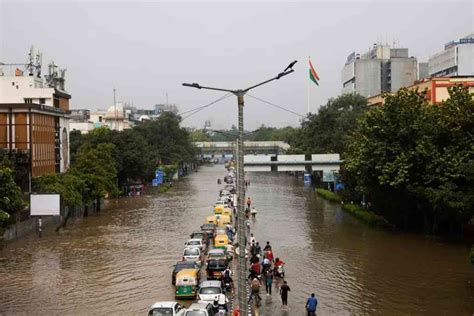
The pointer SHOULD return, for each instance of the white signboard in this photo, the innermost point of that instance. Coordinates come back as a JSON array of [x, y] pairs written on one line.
[[44, 204]]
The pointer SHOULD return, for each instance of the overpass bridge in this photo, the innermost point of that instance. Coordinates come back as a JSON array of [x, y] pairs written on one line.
[[326, 163], [218, 150]]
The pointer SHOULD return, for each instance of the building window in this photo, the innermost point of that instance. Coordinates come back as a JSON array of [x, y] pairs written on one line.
[[28, 100]]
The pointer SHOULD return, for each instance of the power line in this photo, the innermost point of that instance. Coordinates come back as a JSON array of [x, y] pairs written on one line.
[[277, 106], [200, 108]]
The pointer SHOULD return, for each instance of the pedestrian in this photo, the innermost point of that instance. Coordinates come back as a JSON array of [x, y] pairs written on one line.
[[284, 289], [252, 238], [258, 249], [249, 202], [267, 247], [269, 282], [311, 305]]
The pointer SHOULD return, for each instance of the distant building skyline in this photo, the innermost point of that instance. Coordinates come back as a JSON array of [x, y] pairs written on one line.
[[457, 59]]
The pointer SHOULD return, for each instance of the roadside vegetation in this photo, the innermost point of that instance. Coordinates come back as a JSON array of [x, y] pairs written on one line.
[[103, 163]]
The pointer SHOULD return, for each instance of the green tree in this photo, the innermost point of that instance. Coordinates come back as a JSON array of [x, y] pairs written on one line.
[[327, 131], [414, 160], [199, 135], [11, 200]]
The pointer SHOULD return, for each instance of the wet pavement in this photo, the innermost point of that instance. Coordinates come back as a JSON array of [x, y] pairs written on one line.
[[120, 262]]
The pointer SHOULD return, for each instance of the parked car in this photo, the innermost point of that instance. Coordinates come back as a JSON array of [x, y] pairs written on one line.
[[196, 243], [180, 266], [192, 254], [200, 309], [166, 308]]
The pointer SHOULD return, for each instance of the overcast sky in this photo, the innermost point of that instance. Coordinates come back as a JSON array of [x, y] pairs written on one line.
[[147, 49]]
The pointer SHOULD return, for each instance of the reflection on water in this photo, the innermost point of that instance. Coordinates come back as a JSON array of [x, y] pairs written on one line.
[[121, 260]]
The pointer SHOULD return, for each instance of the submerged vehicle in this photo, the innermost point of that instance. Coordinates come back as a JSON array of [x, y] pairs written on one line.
[[209, 229], [221, 241], [182, 265], [192, 254], [166, 308], [187, 281], [215, 268]]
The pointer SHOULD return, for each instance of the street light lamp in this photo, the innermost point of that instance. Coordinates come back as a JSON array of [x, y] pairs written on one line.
[[242, 240]]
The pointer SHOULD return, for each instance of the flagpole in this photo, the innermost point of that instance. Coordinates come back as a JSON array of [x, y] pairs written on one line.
[[307, 89]]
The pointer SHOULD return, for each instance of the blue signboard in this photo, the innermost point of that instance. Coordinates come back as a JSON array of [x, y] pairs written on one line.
[[159, 177], [154, 182], [307, 178]]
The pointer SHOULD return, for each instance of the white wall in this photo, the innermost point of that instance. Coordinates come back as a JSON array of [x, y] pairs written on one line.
[[14, 89], [466, 60]]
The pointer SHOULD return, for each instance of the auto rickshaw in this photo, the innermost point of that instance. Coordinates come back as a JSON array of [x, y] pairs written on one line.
[[218, 209], [215, 268], [187, 281], [227, 211], [225, 220], [221, 241], [211, 220]]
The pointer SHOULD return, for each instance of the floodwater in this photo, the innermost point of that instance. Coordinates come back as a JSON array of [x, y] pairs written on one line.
[[120, 262]]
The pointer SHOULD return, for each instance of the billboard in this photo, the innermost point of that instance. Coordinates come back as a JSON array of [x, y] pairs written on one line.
[[43, 204]]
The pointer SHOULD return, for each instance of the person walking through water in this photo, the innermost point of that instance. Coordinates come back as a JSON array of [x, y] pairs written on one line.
[[249, 202], [269, 282], [284, 289], [311, 305]]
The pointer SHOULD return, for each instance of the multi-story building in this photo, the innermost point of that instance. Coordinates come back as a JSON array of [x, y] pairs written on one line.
[[381, 69], [457, 59], [34, 120]]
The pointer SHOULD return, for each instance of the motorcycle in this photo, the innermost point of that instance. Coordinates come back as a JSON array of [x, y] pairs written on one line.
[[279, 271]]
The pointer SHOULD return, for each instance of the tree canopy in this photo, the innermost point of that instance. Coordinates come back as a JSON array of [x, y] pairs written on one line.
[[415, 160]]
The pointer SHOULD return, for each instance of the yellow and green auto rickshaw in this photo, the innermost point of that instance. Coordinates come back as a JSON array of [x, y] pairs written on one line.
[[227, 211], [221, 241], [211, 220], [187, 281], [225, 220], [218, 209]]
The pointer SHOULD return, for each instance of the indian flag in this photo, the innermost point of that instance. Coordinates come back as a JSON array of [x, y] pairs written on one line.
[[313, 75]]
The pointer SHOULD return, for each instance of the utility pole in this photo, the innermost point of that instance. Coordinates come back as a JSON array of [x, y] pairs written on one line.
[[241, 229], [115, 111]]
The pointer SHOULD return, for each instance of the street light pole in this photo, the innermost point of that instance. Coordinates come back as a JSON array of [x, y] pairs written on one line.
[[241, 229]]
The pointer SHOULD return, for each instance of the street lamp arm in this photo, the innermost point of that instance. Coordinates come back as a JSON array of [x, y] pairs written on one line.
[[281, 74], [198, 86]]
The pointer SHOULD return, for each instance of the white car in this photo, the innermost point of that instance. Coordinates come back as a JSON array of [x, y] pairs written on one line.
[[195, 243], [166, 308], [192, 254], [209, 291], [200, 309]]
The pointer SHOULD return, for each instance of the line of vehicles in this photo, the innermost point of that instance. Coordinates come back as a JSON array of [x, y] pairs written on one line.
[[204, 273]]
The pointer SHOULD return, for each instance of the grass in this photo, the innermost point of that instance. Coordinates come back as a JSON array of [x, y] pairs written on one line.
[[328, 195], [163, 188], [359, 212], [367, 216]]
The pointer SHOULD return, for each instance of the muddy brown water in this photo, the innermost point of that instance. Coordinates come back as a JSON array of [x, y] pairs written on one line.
[[120, 262]]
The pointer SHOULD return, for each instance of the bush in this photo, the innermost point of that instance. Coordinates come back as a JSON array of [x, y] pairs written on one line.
[[163, 188], [328, 195]]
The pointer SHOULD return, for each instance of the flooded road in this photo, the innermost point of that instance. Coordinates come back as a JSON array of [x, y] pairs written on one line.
[[120, 262]]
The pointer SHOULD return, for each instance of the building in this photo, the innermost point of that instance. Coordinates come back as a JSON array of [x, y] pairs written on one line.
[[436, 88], [33, 118], [160, 108], [80, 121], [381, 69], [457, 59]]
